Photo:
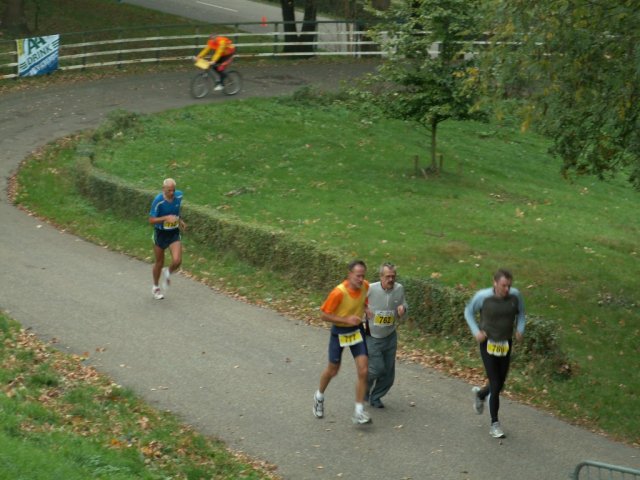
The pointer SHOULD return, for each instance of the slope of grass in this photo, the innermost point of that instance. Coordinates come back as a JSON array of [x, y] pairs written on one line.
[[62, 419], [347, 181]]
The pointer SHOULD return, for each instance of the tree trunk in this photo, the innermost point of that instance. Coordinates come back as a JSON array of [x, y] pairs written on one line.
[[289, 19], [309, 24], [381, 4], [434, 129], [415, 10], [14, 20], [310, 16]]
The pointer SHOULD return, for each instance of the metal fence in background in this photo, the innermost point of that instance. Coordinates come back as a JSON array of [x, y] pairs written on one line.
[[590, 470], [157, 44]]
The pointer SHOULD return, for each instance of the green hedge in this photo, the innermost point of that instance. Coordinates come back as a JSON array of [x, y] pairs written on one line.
[[434, 308], [265, 247]]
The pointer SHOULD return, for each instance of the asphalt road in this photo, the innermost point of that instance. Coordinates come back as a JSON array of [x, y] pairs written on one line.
[[235, 371], [228, 12], [255, 17], [215, 11]]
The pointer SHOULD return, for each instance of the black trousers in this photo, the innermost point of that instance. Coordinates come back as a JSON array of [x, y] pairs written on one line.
[[497, 369]]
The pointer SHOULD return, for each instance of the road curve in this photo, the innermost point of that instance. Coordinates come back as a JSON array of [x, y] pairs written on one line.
[[235, 371]]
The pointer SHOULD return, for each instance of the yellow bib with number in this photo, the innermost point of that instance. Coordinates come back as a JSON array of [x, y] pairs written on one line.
[[170, 225], [498, 349], [384, 318], [348, 339]]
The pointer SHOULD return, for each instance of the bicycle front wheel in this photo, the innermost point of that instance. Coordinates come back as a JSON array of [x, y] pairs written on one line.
[[201, 85], [232, 83]]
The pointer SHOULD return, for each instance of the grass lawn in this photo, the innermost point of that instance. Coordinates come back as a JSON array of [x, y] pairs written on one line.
[[347, 181], [63, 420]]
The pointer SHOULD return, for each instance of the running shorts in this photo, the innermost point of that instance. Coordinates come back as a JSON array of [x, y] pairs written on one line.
[[164, 238]]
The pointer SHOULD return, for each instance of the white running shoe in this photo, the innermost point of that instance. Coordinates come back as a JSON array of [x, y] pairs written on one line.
[[318, 407], [361, 418], [157, 293], [496, 431], [165, 281], [478, 403], [218, 87]]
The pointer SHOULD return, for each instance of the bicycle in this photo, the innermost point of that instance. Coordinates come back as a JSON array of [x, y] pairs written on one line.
[[203, 82]]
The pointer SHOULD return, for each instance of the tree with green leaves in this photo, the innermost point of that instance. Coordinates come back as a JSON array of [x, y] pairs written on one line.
[[428, 73], [576, 63]]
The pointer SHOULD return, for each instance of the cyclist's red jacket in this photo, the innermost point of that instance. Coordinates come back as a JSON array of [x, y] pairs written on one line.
[[221, 47]]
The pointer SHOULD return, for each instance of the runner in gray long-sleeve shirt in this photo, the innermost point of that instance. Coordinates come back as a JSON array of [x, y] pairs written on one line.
[[501, 310], [388, 305]]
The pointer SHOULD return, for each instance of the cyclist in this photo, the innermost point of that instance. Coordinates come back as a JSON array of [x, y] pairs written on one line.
[[223, 51]]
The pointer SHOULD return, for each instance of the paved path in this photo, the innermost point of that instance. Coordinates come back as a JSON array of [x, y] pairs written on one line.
[[242, 373], [228, 12]]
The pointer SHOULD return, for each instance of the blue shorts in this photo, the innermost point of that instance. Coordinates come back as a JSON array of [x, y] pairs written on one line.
[[335, 350], [164, 238]]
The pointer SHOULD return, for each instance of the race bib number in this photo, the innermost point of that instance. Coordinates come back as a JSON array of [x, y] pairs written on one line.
[[348, 339], [498, 349], [384, 318], [170, 225]]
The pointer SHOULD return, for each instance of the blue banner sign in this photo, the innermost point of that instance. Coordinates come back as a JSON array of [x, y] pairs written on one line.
[[38, 55]]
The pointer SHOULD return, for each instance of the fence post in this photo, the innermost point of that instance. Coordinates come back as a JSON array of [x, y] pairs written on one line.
[[119, 52], [236, 41], [276, 31], [196, 40], [84, 50], [158, 51]]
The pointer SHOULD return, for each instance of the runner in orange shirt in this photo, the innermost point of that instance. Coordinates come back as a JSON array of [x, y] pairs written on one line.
[[345, 308]]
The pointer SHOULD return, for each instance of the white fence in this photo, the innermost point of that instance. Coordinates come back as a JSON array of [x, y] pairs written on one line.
[[330, 38]]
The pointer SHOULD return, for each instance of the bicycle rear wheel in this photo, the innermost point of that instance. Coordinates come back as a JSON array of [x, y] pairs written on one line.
[[201, 85], [232, 83]]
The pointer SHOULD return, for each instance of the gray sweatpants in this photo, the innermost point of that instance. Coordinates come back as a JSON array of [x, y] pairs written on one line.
[[382, 365]]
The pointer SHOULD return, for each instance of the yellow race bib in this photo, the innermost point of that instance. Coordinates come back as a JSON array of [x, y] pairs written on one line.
[[384, 318], [170, 225], [348, 339], [498, 349]]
